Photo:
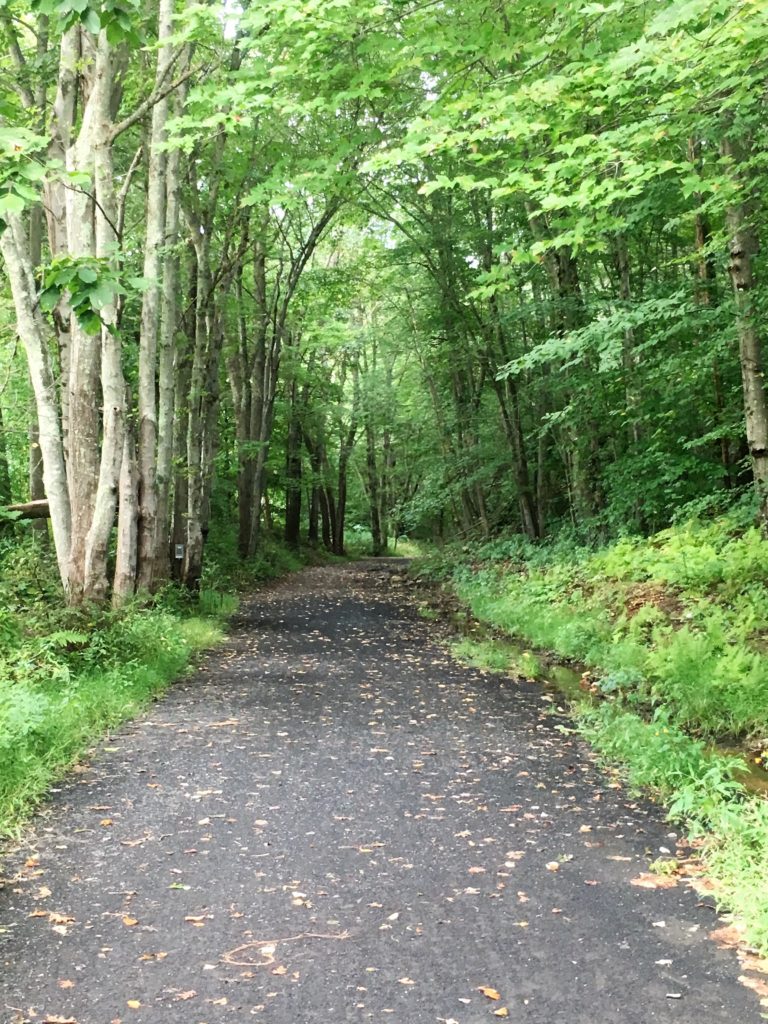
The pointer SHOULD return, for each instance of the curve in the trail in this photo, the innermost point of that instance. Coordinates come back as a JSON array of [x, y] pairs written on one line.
[[333, 821]]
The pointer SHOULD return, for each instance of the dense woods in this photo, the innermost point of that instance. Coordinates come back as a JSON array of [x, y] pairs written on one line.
[[411, 268]]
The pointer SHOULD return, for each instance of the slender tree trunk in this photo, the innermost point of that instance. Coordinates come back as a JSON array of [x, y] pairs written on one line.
[[34, 336], [5, 473], [377, 546], [293, 486], [148, 526], [743, 248], [127, 524]]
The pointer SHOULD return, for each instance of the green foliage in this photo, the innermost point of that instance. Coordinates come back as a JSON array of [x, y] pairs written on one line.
[[90, 283], [21, 170], [116, 17], [675, 622]]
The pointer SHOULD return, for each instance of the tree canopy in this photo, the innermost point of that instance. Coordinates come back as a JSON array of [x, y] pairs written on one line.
[[391, 266]]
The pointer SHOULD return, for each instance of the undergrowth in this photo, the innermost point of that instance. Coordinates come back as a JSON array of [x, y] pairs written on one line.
[[674, 631]]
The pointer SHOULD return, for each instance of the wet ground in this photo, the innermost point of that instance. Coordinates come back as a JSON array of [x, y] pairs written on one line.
[[334, 821]]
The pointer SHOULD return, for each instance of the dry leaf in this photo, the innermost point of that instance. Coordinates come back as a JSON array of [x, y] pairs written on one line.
[[406, 981], [646, 880], [66, 983], [55, 918], [501, 1012], [552, 866], [727, 936], [130, 922], [756, 984], [186, 995], [280, 970], [134, 1004], [489, 993]]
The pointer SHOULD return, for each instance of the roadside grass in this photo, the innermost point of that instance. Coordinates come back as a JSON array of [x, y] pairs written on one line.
[[68, 676], [674, 632], [359, 544]]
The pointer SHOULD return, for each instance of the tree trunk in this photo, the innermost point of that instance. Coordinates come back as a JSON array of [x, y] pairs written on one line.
[[293, 474], [743, 249], [127, 525], [149, 528], [5, 473], [34, 336]]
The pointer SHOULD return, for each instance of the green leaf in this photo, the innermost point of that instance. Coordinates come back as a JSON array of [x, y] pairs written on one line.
[[91, 21], [11, 203]]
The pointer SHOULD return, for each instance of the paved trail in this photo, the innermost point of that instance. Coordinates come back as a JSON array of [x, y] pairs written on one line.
[[332, 821]]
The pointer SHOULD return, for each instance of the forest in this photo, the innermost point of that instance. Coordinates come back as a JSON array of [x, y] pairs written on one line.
[[481, 281]]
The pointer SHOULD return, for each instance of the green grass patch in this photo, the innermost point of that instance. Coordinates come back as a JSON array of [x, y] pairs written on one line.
[[67, 676]]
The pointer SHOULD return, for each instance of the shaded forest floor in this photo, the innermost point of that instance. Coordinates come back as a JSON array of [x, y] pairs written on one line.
[[334, 820]]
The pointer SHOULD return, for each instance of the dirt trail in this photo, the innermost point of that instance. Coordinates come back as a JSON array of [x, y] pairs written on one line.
[[333, 821]]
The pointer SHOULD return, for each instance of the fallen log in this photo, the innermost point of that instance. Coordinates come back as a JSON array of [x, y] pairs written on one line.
[[30, 509]]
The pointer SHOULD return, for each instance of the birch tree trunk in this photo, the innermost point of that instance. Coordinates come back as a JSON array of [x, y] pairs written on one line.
[[36, 340], [743, 247], [149, 528]]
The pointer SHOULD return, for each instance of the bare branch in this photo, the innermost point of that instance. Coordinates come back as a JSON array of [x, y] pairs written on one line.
[[123, 193], [154, 97]]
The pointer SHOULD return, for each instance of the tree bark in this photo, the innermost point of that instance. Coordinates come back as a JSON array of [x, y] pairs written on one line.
[[34, 335], [743, 248], [149, 528]]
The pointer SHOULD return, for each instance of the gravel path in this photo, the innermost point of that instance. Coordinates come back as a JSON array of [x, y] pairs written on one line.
[[333, 821]]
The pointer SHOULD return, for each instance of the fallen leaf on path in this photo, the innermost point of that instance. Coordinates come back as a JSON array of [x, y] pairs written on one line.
[[183, 996], [489, 993], [755, 963], [756, 984], [726, 937], [552, 866], [406, 981], [646, 880], [501, 1012], [135, 1004], [130, 922], [66, 983]]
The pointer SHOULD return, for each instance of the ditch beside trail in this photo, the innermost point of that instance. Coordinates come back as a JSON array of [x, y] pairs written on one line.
[[332, 820]]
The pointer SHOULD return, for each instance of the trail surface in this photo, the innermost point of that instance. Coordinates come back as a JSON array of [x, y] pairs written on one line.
[[333, 821]]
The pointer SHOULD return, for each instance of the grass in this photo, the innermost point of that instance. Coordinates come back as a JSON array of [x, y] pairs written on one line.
[[69, 676], [674, 631]]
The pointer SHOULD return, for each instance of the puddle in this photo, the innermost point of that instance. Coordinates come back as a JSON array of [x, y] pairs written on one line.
[[754, 777]]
